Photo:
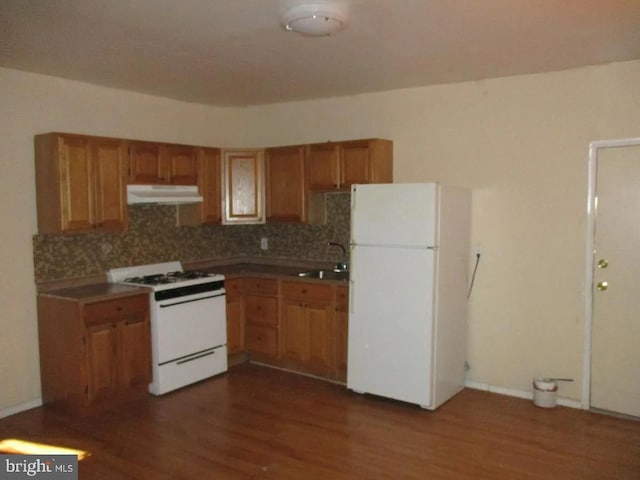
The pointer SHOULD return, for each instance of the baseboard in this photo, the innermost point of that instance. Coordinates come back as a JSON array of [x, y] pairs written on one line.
[[21, 407], [565, 402]]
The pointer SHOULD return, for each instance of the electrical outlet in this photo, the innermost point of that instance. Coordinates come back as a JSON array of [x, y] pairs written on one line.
[[477, 249], [264, 243]]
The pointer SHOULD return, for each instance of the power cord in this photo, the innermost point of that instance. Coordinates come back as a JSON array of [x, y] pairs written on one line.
[[473, 277]]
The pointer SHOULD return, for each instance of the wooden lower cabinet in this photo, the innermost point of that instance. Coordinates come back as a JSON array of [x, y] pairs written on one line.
[[341, 332], [297, 325], [262, 319], [306, 324], [262, 342], [235, 316], [94, 355]]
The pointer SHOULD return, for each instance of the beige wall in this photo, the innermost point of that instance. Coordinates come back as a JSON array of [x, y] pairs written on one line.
[[34, 104], [520, 143]]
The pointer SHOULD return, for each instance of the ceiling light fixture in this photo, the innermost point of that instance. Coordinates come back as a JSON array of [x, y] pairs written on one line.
[[315, 19]]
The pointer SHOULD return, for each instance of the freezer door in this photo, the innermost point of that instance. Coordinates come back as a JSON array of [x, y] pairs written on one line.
[[391, 323], [402, 214]]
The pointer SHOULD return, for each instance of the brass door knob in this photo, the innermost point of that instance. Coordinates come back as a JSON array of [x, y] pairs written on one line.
[[602, 263], [602, 286]]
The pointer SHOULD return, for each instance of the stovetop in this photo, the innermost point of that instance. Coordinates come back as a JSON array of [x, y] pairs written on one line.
[[161, 276], [170, 277]]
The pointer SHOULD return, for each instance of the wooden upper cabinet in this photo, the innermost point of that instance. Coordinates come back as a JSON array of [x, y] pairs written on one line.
[[110, 194], [153, 163], [209, 183], [337, 166], [323, 162], [209, 173], [76, 183], [80, 182], [144, 163], [181, 164], [284, 184], [243, 177]]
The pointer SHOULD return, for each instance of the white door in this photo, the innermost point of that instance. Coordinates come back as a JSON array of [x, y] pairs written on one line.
[[615, 340]]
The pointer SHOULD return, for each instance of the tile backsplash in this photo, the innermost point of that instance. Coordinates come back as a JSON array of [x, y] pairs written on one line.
[[153, 237]]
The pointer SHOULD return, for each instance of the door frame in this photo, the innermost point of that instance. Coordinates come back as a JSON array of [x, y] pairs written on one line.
[[594, 148]]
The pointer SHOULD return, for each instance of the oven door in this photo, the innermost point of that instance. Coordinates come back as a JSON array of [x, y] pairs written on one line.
[[187, 325]]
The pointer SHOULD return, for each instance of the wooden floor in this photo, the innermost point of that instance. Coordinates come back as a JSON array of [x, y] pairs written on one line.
[[256, 422]]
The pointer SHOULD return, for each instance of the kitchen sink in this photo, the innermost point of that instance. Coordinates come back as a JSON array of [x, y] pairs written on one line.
[[325, 274]]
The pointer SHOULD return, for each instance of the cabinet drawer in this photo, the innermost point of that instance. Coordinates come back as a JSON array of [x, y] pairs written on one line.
[[303, 291], [261, 286], [234, 287], [261, 309], [262, 340], [115, 309]]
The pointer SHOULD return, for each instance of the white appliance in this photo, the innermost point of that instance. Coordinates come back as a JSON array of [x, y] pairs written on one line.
[[408, 288], [188, 322], [163, 194]]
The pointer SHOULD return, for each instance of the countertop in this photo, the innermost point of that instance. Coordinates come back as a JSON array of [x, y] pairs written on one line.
[[96, 288], [288, 272], [96, 292]]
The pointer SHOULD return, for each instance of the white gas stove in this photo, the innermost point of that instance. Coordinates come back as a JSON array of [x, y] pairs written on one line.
[[188, 322]]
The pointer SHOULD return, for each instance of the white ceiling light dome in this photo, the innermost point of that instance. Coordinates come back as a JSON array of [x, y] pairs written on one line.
[[316, 19]]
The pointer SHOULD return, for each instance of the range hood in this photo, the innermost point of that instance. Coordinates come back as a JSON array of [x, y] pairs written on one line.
[[163, 194]]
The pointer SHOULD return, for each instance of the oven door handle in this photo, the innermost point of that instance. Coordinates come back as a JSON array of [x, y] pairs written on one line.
[[196, 357], [189, 301]]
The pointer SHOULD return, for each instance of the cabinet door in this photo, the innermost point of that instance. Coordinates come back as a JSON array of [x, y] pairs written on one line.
[[320, 338], [235, 325], [284, 184], [210, 170], [341, 335], [262, 341], [102, 361], [144, 164], [354, 163], [243, 187], [261, 310], [181, 163], [109, 158], [323, 166], [295, 333], [76, 183], [134, 348]]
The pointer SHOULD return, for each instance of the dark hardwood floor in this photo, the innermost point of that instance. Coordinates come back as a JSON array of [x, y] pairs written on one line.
[[257, 422]]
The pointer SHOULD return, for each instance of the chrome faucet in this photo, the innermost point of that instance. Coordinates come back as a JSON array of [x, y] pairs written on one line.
[[341, 266]]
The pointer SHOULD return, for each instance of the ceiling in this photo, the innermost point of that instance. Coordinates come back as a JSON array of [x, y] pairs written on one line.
[[234, 52]]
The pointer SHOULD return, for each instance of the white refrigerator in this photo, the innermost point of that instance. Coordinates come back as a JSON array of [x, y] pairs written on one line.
[[408, 291]]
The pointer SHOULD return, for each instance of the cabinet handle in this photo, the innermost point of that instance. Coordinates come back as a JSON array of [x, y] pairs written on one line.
[[304, 290]]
